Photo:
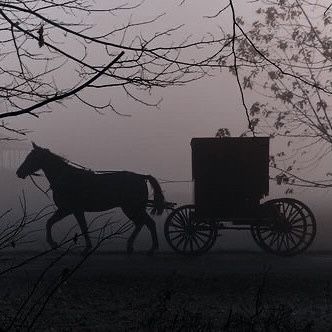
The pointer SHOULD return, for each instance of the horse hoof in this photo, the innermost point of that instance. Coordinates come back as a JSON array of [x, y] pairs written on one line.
[[53, 245], [85, 252]]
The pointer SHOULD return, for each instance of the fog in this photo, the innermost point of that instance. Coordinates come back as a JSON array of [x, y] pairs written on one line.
[[150, 141], [153, 142]]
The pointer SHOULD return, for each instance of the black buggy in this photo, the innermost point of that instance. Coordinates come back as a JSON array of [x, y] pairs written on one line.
[[231, 176]]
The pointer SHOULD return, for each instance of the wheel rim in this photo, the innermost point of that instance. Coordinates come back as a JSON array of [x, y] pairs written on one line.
[[292, 228], [185, 234], [311, 229]]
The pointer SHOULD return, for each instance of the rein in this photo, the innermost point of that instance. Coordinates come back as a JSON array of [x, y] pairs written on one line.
[[45, 192], [90, 170]]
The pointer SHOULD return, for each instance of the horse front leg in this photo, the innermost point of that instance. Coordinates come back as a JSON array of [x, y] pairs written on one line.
[[57, 216], [84, 229], [132, 237]]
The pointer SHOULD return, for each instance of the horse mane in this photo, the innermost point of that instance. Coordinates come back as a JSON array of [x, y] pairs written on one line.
[[73, 165], [53, 157]]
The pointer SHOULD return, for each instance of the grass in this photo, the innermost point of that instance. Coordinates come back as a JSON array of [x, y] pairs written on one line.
[[143, 299]]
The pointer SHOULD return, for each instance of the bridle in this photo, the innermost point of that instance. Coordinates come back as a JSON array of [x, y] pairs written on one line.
[[45, 192]]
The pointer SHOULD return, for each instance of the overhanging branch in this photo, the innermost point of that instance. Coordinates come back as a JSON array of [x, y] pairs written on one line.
[[63, 95]]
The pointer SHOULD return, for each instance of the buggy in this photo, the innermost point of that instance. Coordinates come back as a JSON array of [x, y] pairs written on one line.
[[231, 177]]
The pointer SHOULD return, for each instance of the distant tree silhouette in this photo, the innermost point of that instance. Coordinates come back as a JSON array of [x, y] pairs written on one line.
[[282, 63], [283, 55], [34, 299], [44, 42]]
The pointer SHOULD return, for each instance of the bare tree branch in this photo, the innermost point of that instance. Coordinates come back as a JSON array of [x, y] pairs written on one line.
[[64, 95]]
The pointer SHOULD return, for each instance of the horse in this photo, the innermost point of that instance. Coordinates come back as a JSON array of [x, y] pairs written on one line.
[[78, 190]]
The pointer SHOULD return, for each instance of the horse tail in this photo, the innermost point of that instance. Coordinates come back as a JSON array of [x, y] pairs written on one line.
[[159, 199]]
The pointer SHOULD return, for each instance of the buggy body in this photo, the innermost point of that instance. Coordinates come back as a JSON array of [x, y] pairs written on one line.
[[231, 177]]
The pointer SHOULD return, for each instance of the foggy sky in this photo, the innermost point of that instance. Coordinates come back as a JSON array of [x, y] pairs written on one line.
[[151, 141]]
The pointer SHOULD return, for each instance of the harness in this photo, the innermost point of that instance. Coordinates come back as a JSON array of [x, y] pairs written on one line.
[[45, 192]]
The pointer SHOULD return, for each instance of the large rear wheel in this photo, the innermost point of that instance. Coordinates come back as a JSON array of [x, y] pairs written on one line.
[[187, 234], [291, 228]]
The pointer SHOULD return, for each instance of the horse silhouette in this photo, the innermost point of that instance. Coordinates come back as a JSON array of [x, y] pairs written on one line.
[[76, 190]]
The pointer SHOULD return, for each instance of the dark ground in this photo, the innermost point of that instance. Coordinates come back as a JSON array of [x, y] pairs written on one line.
[[233, 291]]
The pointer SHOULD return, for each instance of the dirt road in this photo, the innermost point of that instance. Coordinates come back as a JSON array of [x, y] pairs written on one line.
[[216, 264]]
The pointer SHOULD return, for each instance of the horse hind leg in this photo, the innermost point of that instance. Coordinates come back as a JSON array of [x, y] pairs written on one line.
[[57, 216], [140, 218], [79, 215], [151, 225], [132, 237], [134, 215]]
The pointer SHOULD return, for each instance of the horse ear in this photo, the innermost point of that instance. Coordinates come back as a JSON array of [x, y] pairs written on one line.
[[34, 145]]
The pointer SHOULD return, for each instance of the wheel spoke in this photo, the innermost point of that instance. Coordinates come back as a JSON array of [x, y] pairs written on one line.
[[196, 242], [203, 234], [296, 234], [200, 238], [186, 234], [290, 237], [287, 242], [298, 227], [282, 204], [296, 231], [292, 230], [294, 212], [177, 236], [282, 236], [185, 244], [185, 216], [279, 241], [177, 226], [299, 219], [307, 233], [179, 220], [274, 239], [181, 240], [271, 233], [288, 210]]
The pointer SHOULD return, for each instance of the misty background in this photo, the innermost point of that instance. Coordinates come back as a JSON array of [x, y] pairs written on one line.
[[150, 141]]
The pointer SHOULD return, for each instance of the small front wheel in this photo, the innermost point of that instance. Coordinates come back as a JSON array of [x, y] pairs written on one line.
[[187, 234]]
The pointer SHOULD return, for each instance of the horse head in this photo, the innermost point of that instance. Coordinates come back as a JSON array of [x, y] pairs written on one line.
[[32, 163]]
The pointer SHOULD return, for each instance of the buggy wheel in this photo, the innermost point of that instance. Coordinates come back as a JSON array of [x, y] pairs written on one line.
[[291, 230], [186, 234], [311, 228]]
